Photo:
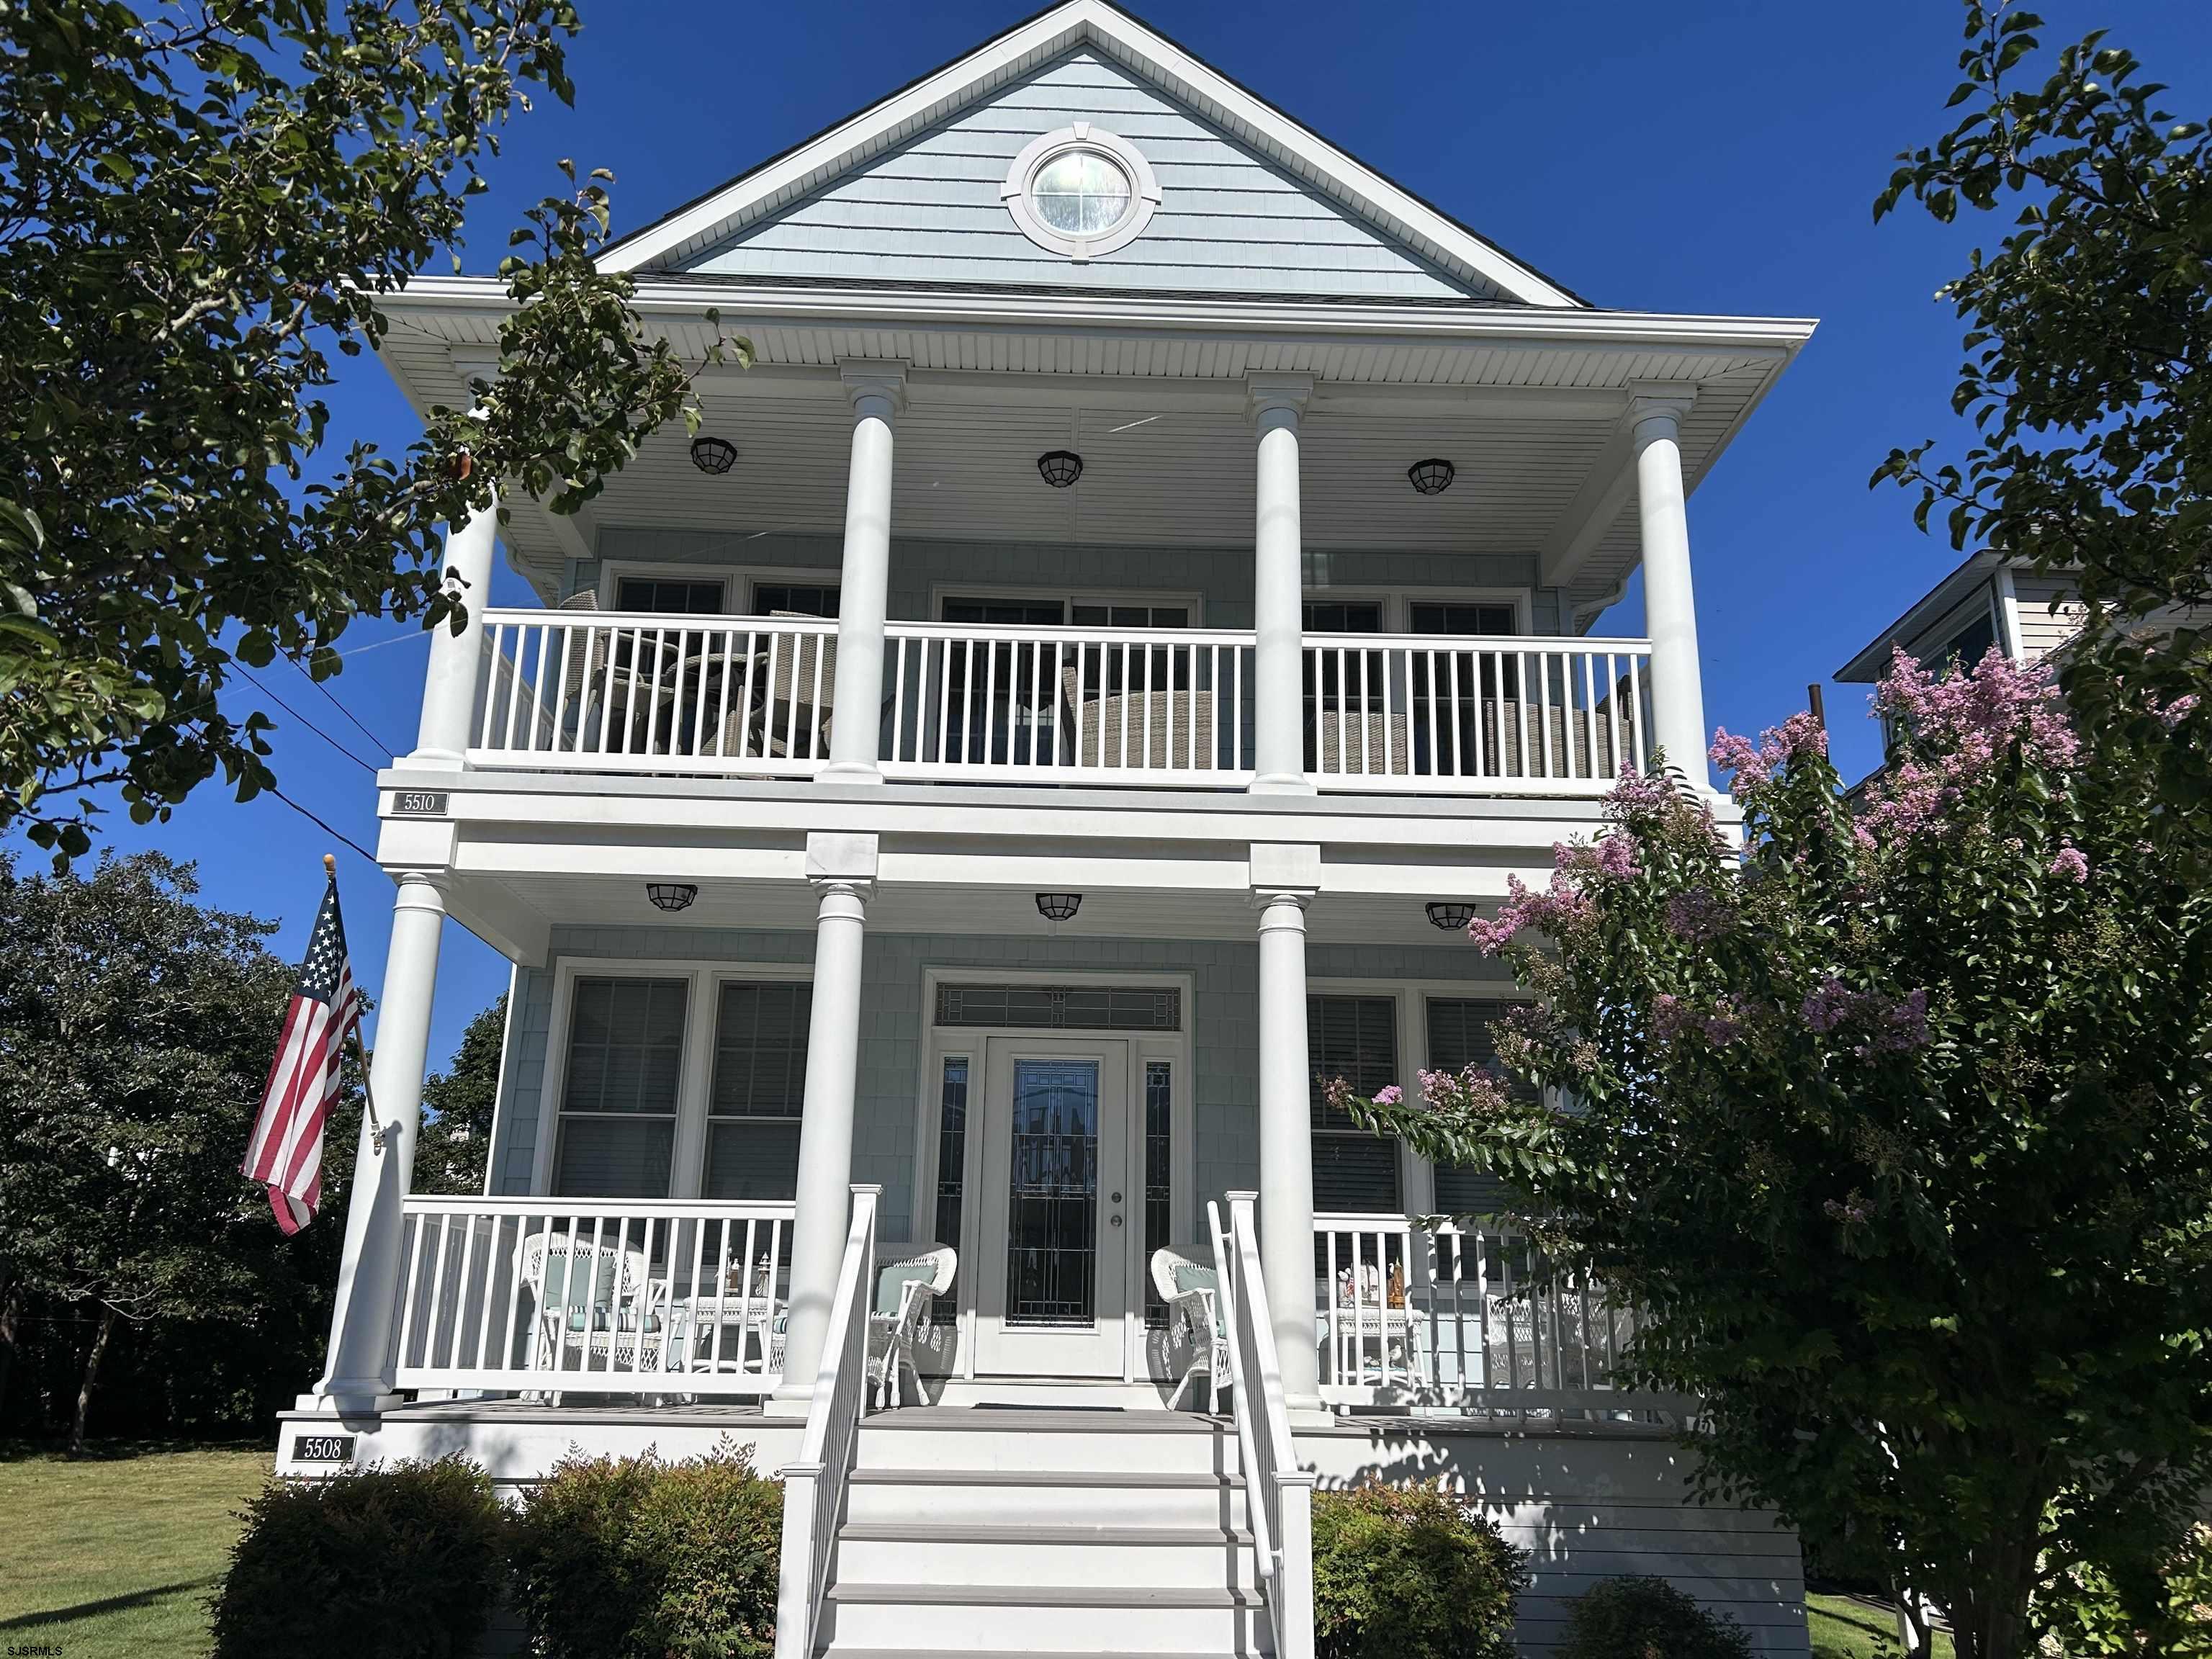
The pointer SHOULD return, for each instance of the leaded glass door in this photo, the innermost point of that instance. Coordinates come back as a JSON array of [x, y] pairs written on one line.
[[1058, 1213]]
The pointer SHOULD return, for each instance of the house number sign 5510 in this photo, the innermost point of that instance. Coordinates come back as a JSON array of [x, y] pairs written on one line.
[[419, 804]]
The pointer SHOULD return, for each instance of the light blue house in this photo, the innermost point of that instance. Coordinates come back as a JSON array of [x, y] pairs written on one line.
[[1071, 695]]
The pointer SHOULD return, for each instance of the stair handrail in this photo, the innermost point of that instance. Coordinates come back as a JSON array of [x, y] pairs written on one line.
[[1278, 1493], [814, 1486]]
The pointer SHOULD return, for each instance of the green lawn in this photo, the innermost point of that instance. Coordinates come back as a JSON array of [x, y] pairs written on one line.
[[1844, 1629], [114, 1555]]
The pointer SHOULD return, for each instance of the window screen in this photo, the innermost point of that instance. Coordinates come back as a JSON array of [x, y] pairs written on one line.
[[1458, 1037], [1343, 616], [1429, 618], [617, 1129], [1355, 1038], [668, 597], [1007, 613], [760, 1082]]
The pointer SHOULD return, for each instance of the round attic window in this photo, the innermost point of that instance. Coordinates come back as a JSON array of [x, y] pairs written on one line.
[[1080, 193]]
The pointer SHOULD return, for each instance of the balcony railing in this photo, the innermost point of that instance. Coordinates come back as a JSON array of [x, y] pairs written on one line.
[[1466, 1321], [594, 1296], [1157, 707]]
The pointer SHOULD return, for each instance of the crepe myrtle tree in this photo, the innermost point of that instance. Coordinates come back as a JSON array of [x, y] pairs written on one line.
[[2087, 373], [201, 208], [1895, 1125]]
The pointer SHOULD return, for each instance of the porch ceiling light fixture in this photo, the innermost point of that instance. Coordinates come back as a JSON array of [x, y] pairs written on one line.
[[1433, 476], [671, 895], [1059, 467], [714, 456], [1059, 907], [1450, 914]]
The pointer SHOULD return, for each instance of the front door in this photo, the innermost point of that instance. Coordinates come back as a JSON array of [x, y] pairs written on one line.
[[1057, 1209]]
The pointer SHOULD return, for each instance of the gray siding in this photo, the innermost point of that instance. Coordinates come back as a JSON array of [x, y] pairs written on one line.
[[1224, 1015], [928, 211], [1222, 575]]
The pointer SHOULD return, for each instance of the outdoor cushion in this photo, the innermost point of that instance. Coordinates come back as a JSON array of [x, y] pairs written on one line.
[[892, 1280], [1189, 1276]]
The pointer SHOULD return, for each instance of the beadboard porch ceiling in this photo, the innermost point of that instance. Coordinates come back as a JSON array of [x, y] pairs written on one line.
[[1532, 409]]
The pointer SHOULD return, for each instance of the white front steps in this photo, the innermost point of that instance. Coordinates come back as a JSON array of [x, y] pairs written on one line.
[[1016, 1534]]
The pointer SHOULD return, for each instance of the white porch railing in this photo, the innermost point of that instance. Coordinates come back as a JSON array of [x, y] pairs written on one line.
[[1278, 1493], [592, 1296], [1431, 715], [1146, 707], [814, 1486], [1463, 1320]]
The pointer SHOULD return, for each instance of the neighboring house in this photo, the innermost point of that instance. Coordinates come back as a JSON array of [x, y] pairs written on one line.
[[1068, 698], [1986, 600]]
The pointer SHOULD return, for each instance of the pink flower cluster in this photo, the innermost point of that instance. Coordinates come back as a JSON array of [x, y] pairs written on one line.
[[1556, 909], [2071, 862], [1698, 915], [1750, 764], [1957, 725], [1882, 1025], [1643, 791], [1673, 1018]]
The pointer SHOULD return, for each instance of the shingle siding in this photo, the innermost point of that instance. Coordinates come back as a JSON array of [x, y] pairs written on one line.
[[1229, 222]]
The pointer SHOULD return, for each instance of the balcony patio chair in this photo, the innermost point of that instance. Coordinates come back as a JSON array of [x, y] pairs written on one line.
[[906, 1291], [784, 717], [1192, 1293], [1178, 733], [597, 1305]]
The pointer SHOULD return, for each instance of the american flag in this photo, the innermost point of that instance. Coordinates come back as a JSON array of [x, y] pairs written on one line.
[[286, 1155]]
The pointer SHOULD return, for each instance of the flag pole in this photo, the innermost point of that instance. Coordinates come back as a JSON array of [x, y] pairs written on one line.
[[367, 1095]]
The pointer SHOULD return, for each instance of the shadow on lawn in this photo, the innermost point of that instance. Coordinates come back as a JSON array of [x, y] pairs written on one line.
[[107, 1604]]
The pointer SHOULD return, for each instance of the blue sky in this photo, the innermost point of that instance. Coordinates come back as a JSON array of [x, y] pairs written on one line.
[[1718, 157]]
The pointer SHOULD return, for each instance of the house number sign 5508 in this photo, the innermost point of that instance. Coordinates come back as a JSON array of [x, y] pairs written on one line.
[[419, 804], [323, 1448]]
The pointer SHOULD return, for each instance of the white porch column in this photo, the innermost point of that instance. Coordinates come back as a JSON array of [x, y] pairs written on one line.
[[1670, 609], [1276, 402], [843, 869], [1283, 878], [878, 392], [449, 685], [359, 1374]]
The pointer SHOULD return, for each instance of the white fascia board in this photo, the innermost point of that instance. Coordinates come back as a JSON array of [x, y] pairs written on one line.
[[1394, 210], [1871, 661], [738, 304]]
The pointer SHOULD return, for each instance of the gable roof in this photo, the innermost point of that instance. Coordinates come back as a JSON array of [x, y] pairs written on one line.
[[1365, 194]]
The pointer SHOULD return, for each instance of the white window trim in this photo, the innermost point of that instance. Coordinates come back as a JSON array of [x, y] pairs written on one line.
[[738, 581], [1143, 191], [694, 1075], [941, 1042], [1982, 599], [612, 571], [940, 591]]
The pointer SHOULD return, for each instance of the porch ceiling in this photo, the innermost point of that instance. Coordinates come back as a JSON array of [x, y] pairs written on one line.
[[1108, 914], [1530, 407]]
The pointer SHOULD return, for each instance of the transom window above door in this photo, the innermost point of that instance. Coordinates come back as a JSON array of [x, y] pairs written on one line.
[[669, 595]]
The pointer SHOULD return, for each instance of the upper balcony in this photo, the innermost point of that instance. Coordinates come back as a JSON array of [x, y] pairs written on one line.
[[587, 692]]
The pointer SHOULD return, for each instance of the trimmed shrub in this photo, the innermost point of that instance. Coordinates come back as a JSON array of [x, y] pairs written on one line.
[[398, 1562], [635, 1558], [1411, 1572], [1649, 1619]]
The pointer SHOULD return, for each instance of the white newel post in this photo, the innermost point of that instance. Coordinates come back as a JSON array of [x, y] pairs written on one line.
[[878, 392], [449, 685], [360, 1372], [1283, 879], [1276, 402], [1670, 609], [843, 869]]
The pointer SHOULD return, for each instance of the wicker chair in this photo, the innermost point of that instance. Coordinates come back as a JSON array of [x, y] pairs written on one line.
[[784, 715], [1178, 734]]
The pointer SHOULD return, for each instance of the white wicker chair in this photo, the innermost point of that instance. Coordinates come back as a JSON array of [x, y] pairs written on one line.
[[1192, 1291], [911, 1287]]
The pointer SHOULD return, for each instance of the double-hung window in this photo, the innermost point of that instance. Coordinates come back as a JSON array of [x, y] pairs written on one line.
[[759, 1083], [620, 1088], [669, 596], [1356, 1038], [1460, 1036]]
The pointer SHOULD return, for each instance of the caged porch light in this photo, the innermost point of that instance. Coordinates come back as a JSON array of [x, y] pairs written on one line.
[[1450, 914], [714, 456], [671, 895], [1059, 907], [1059, 467], [1433, 476]]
